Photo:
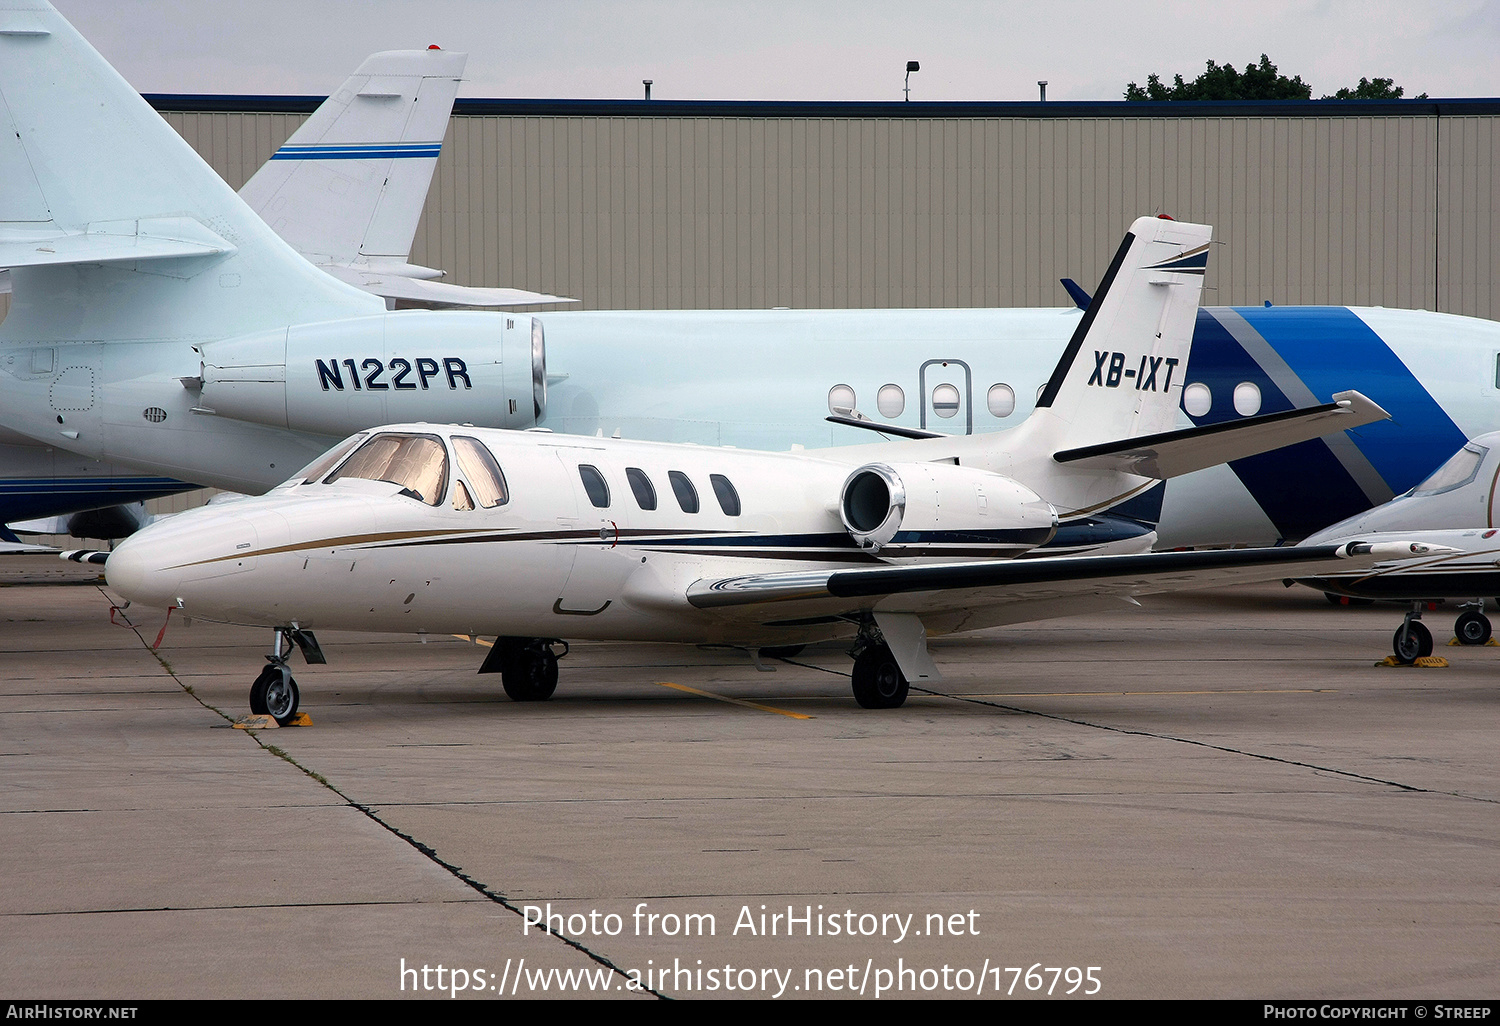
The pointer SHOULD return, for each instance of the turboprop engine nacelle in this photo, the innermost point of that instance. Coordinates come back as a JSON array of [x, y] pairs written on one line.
[[337, 377], [939, 509]]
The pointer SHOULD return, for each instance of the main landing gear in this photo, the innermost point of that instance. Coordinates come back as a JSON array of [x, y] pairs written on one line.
[[527, 667], [878, 680], [1472, 627], [275, 692], [1414, 641]]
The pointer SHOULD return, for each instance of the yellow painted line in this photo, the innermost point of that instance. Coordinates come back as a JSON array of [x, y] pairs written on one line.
[[734, 701], [475, 640], [1107, 694]]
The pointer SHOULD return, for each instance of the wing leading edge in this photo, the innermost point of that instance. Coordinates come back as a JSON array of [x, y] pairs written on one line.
[[994, 585]]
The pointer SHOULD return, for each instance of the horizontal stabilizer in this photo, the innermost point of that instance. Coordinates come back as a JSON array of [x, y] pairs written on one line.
[[22, 549], [861, 421], [111, 242], [1174, 453], [437, 293]]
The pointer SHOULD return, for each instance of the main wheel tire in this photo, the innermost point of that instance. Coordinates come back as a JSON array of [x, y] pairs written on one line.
[[530, 675], [275, 694], [878, 680], [1411, 642], [1472, 628]]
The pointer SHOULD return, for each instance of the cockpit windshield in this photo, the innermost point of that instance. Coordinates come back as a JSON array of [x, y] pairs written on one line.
[[1456, 473], [419, 463], [324, 463]]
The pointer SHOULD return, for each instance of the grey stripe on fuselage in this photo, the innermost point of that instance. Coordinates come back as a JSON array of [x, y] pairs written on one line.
[[1283, 377]]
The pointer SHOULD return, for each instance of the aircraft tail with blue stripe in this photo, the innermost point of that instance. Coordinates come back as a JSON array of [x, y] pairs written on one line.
[[349, 185]]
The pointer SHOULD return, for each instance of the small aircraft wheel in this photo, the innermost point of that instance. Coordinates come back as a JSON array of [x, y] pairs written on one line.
[[530, 675], [1412, 642], [275, 694], [1472, 628], [878, 681]]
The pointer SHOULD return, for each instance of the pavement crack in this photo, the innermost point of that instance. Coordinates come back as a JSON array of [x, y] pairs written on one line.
[[1350, 774], [427, 852], [456, 872]]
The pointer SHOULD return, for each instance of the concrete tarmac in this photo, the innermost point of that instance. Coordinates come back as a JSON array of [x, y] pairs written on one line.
[[1216, 796]]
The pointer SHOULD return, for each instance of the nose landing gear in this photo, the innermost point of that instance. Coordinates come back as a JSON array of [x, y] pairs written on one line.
[[274, 692], [1412, 640]]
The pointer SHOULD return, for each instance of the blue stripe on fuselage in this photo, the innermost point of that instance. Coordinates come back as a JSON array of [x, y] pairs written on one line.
[[1302, 487], [1331, 350]]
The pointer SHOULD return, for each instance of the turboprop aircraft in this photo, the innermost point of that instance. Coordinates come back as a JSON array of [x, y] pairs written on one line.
[[1454, 508], [346, 190], [536, 537], [222, 358]]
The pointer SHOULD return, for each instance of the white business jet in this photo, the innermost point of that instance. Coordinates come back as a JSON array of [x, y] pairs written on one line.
[[158, 324], [1453, 509], [535, 537]]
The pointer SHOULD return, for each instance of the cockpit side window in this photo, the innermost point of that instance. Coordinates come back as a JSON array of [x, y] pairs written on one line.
[[461, 498], [687, 495], [419, 463], [1457, 472], [479, 466]]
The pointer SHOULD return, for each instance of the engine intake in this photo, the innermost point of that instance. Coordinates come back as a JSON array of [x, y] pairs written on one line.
[[938, 509]]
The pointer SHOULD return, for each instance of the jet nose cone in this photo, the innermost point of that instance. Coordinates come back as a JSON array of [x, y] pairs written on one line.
[[131, 571]]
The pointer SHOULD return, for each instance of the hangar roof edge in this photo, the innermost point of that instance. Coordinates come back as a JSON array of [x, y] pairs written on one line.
[[1460, 107]]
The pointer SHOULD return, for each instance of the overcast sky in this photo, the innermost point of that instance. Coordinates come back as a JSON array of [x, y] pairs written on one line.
[[805, 50]]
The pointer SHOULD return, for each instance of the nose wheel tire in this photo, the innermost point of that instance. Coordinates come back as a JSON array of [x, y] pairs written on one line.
[[530, 674], [1472, 628], [275, 694], [878, 681], [1412, 641]]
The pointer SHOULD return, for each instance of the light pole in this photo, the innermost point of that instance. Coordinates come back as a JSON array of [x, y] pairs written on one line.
[[910, 67]]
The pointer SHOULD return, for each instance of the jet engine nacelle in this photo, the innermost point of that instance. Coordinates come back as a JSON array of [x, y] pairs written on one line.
[[939, 509], [338, 377]]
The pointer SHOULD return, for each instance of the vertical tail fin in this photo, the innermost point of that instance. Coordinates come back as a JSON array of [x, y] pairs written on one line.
[[349, 185], [1121, 374], [113, 227]]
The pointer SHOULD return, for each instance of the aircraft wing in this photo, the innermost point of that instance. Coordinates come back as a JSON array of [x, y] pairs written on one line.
[[22, 549], [417, 290], [968, 595], [1174, 453], [159, 238]]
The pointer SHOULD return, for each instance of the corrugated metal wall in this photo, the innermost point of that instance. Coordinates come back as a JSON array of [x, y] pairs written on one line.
[[690, 212]]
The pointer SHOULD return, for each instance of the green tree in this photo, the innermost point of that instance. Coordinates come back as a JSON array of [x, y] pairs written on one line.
[[1222, 82], [1372, 89]]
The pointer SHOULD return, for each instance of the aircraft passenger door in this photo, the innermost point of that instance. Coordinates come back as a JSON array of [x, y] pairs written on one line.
[[947, 388], [600, 564]]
